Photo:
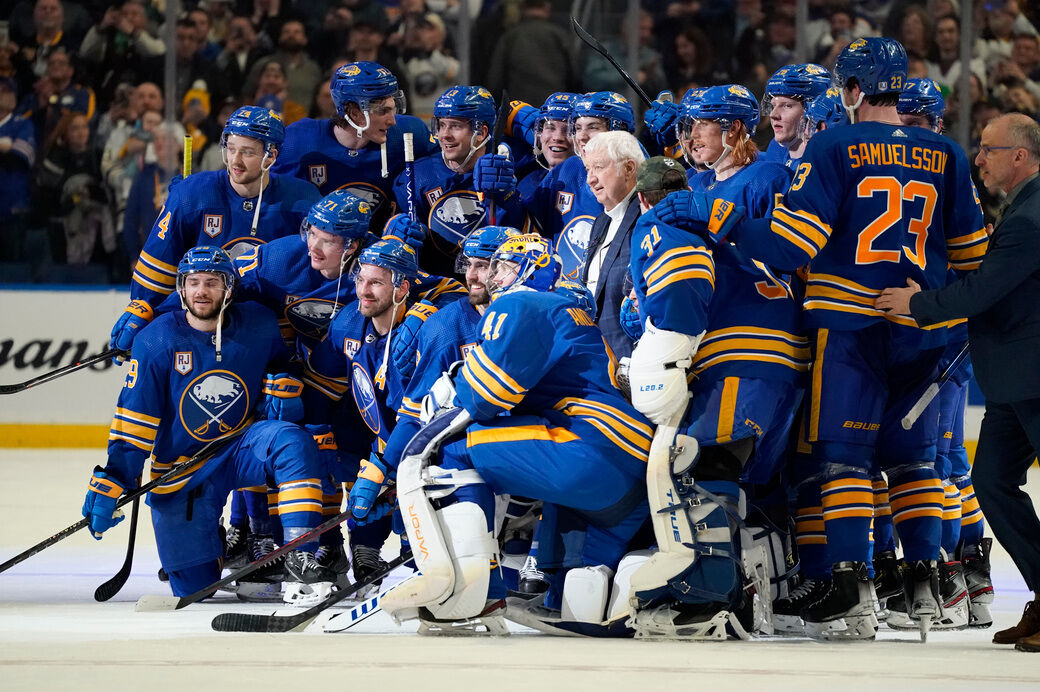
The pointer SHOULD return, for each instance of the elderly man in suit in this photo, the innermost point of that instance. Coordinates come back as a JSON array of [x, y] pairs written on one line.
[[611, 162], [1001, 300]]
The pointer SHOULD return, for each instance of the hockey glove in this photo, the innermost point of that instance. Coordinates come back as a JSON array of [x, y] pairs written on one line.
[[441, 396], [694, 211], [657, 374], [328, 450], [363, 494], [403, 229], [406, 336], [630, 321], [99, 507], [522, 121], [495, 175], [135, 318], [660, 121], [281, 397]]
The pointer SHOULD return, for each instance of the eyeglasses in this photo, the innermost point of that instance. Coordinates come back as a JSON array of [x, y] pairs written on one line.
[[985, 150]]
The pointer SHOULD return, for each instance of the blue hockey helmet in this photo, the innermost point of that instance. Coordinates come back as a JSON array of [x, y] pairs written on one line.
[[339, 213], [531, 258], [472, 103], [878, 65], [361, 83], [258, 123], [803, 81], [922, 97], [557, 107], [825, 108], [580, 294], [726, 104], [482, 243], [207, 258], [394, 255], [608, 105]]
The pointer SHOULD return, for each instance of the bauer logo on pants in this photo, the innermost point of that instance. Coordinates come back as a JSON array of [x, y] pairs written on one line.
[[214, 404]]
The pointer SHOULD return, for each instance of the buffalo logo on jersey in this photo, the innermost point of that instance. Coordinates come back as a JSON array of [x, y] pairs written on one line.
[[457, 214], [368, 192], [240, 246], [213, 404], [572, 243], [310, 317], [365, 397]]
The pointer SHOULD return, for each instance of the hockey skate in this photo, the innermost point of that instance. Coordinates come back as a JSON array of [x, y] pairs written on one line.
[[887, 581], [307, 582], [787, 611], [490, 621], [846, 609], [980, 587], [236, 547], [532, 580], [366, 563], [265, 584], [954, 599], [694, 621], [921, 598], [333, 557]]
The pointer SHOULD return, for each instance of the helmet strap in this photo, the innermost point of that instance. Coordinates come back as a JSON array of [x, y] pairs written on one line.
[[359, 129], [260, 194], [726, 149], [851, 110]]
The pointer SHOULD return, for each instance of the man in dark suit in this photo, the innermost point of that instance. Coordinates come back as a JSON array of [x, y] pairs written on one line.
[[1001, 300], [611, 161]]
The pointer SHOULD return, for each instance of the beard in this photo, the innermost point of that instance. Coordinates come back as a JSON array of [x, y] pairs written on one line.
[[209, 314], [479, 296], [375, 309]]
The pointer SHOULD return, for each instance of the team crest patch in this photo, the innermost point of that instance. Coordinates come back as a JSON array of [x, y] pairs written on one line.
[[350, 347], [457, 214], [182, 362], [311, 316], [564, 202], [318, 174], [365, 397], [466, 349], [213, 404], [213, 224]]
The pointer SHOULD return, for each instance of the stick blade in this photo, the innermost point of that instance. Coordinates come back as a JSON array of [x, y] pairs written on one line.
[[250, 622], [110, 588], [151, 604]]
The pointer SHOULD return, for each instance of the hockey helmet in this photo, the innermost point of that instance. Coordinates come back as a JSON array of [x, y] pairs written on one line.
[[803, 81], [472, 103], [608, 105], [557, 107], [725, 104], [826, 108], [536, 266], [364, 82], [207, 258], [922, 97], [394, 255], [878, 65], [580, 295], [339, 213], [257, 123], [482, 243]]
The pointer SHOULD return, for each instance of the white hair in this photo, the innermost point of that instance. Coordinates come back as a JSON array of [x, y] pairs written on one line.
[[618, 145]]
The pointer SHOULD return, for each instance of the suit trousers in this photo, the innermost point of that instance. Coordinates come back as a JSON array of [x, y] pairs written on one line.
[[1008, 444]]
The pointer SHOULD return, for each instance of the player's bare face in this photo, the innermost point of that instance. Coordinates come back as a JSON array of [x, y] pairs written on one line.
[[325, 251], [556, 146], [203, 293], [375, 290], [477, 281], [245, 159], [786, 119], [585, 128], [382, 115], [454, 136], [704, 141]]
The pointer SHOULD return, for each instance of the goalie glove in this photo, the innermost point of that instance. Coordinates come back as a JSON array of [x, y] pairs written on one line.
[[658, 372], [441, 396]]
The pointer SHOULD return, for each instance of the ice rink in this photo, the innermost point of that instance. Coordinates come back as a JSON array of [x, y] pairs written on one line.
[[54, 636]]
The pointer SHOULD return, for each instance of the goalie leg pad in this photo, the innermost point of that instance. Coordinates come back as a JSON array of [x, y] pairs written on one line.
[[473, 548], [585, 593]]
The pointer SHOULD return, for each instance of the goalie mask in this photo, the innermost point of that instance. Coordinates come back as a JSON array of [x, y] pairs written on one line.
[[526, 260]]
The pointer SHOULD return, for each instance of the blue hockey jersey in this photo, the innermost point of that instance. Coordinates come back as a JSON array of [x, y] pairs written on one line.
[[177, 398], [311, 152], [870, 205], [754, 187], [750, 315], [775, 153], [203, 209], [564, 208]]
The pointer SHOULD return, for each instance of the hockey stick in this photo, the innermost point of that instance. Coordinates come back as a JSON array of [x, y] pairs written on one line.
[[250, 622], [595, 45], [156, 603], [55, 374], [111, 587], [207, 451], [501, 150], [933, 389], [409, 171]]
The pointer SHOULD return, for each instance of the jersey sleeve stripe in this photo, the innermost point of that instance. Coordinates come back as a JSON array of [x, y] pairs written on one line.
[[507, 382], [491, 384], [974, 238], [685, 252], [481, 390], [677, 263], [136, 417], [158, 264], [142, 432], [142, 444], [684, 275]]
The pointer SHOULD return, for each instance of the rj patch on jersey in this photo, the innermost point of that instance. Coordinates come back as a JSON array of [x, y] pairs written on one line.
[[182, 362], [213, 224], [318, 174], [564, 202]]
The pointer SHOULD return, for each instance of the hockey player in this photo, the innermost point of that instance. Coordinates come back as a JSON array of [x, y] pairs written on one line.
[[234, 209], [456, 187], [921, 104], [871, 204], [196, 377], [344, 152], [542, 420], [715, 131], [551, 144], [708, 308], [824, 112], [563, 205], [788, 92]]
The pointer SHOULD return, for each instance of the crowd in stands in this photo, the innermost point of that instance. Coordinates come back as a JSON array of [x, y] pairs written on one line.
[[84, 150]]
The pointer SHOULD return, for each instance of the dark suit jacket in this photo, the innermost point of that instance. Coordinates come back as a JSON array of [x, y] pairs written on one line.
[[610, 288], [1001, 300]]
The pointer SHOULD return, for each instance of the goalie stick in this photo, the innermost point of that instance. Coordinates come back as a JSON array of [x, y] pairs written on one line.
[[206, 452], [60, 372], [250, 622], [157, 603]]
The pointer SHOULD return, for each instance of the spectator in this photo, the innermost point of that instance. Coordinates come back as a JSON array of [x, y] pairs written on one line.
[[17, 156], [1025, 53], [149, 188], [915, 30], [689, 61], [55, 95], [533, 59], [43, 33], [945, 67], [240, 53], [208, 48], [267, 19], [272, 92], [338, 24], [115, 48], [118, 114], [124, 154], [600, 75], [427, 66], [193, 71], [301, 73], [220, 13], [323, 108]]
